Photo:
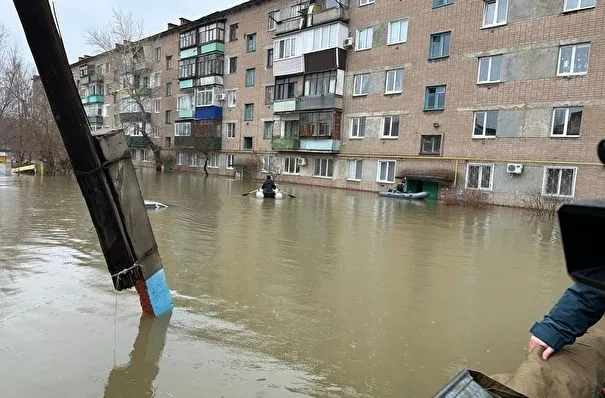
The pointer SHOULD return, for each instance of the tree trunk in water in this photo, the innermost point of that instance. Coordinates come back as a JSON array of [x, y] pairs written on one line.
[[206, 167], [158, 160]]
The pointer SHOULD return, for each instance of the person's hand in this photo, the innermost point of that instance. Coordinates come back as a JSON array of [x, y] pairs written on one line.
[[536, 342]]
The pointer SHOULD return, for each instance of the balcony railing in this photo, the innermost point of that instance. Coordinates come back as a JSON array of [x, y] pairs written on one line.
[[95, 119], [330, 12], [138, 141], [285, 144], [186, 113], [93, 99], [320, 145], [137, 116], [206, 144], [317, 102]]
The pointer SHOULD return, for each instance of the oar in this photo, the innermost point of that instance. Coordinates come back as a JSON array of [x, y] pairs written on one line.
[[246, 194], [289, 194]]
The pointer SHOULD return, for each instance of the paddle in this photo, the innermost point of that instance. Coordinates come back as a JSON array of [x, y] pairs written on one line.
[[246, 194], [289, 194]]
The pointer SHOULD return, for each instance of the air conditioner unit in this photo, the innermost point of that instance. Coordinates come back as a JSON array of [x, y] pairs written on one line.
[[222, 97], [301, 161], [514, 168], [348, 43]]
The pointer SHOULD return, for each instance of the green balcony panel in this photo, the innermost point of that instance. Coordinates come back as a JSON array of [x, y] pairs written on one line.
[[188, 53], [186, 113], [92, 99], [285, 144], [213, 47], [137, 141], [186, 84]]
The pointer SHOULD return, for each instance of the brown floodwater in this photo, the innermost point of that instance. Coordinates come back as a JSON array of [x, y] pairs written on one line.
[[330, 294]]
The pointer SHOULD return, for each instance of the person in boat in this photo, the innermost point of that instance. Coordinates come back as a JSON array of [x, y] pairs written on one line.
[[268, 185]]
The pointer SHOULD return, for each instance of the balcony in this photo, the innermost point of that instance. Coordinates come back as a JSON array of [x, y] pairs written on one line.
[[208, 81], [324, 60], [186, 113], [188, 53], [285, 144], [330, 15], [138, 116], [318, 102], [332, 12], [183, 84], [206, 144], [94, 99], [212, 47], [320, 145], [138, 141], [288, 66], [287, 105], [290, 25], [95, 119], [208, 113], [91, 78]]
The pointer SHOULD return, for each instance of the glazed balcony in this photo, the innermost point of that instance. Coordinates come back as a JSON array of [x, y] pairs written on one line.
[[330, 12], [319, 145]]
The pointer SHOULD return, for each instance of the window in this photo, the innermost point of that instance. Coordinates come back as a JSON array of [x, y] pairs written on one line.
[[573, 60], [324, 168], [479, 176], [316, 124], [233, 32], [286, 48], [187, 39], [204, 97], [156, 79], [230, 161], [182, 129], [430, 145], [193, 160], [441, 3], [355, 167], [489, 69], [230, 130], [158, 54], [186, 68], [168, 89], [364, 39], [155, 131], [394, 81], [358, 127], [559, 181], [320, 83], [268, 130], [181, 158], [211, 33], [184, 102], [324, 37], [291, 165], [386, 171], [272, 20], [361, 84], [434, 98], [169, 62], [486, 124], [267, 164], [250, 77], [156, 105], [213, 160], [572, 5], [291, 129], [249, 112], [296, 9], [566, 122], [269, 95], [398, 31], [270, 58], [210, 65], [168, 117], [365, 2], [231, 97], [251, 42], [232, 64], [495, 13], [440, 45], [285, 88], [390, 126], [248, 143]]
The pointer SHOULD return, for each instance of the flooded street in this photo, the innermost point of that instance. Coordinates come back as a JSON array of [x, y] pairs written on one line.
[[331, 294]]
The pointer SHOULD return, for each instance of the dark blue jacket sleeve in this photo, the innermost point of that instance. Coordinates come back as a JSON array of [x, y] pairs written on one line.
[[578, 309]]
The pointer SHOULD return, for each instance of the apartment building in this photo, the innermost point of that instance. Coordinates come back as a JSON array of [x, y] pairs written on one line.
[[500, 96]]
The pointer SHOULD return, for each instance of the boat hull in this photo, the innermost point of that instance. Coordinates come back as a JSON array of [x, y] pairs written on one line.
[[269, 195], [405, 195], [152, 205]]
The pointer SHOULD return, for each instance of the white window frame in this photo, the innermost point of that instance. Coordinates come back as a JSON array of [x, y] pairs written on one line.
[[366, 2], [202, 95], [155, 131], [354, 133], [369, 35], [566, 7], [272, 17], [384, 121], [288, 44], [180, 158], [327, 168], [489, 59], [566, 125], [193, 160], [359, 84], [388, 90], [266, 163], [479, 177], [296, 165], [230, 162], [482, 135], [157, 105], [214, 161], [185, 130], [574, 48], [386, 181], [230, 136], [325, 37], [358, 166], [403, 27], [144, 155], [231, 98], [495, 23], [573, 186]]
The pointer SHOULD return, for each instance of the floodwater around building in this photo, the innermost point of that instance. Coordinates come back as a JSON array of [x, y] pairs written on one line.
[[330, 294]]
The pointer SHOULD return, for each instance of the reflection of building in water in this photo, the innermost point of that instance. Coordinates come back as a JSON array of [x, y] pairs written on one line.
[[136, 378]]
